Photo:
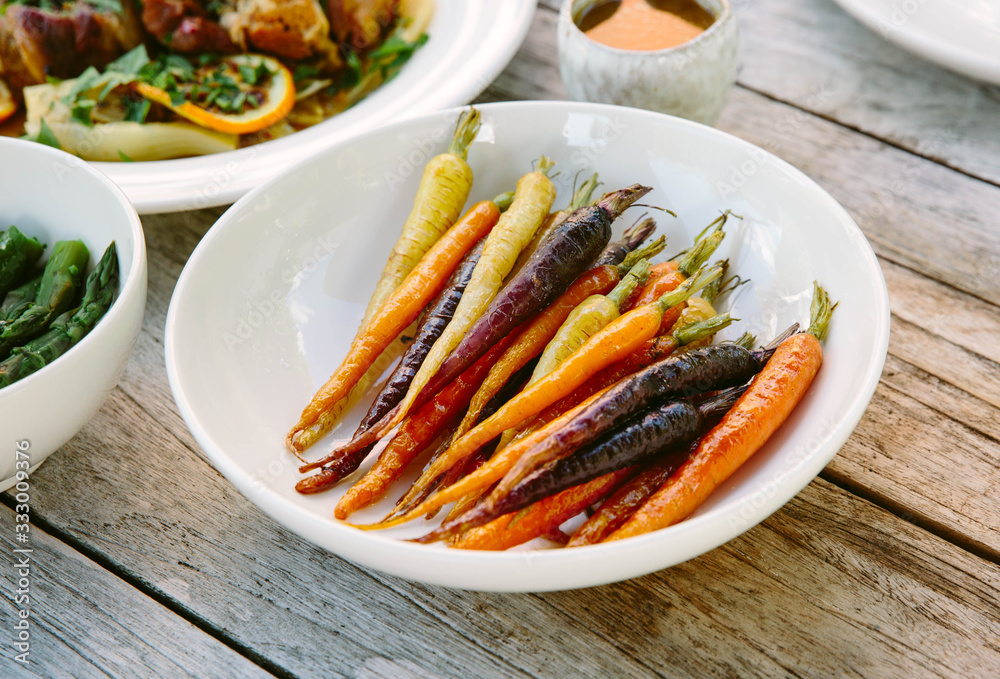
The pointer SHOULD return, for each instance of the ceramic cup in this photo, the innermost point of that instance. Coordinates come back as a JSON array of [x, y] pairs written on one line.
[[690, 80]]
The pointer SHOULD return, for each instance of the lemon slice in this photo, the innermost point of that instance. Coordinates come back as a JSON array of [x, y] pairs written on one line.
[[7, 104], [263, 104]]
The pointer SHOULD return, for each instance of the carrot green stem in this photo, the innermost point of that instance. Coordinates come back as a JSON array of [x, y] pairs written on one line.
[[582, 195], [711, 291], [504, 200], [544, 165], [820, 313], [725, 286], [719, 221], [702, 329], [645, 252], [636, 277], [690, 286], [465, 131], [642, 229], [746, 340], [617, 202], [703, 248]]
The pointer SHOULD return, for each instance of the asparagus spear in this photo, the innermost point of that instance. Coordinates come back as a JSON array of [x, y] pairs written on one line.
[[70, 327], [19, 299], [18, 253], [57, 292]]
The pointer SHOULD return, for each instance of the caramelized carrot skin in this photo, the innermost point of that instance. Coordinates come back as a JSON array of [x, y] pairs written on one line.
[[560, 259], [663, 278], [400, 309], [542, 517], [431, 326], [539, 331], [621, 504], [481, 478], [650, 352], [743, 431], [417, 432]]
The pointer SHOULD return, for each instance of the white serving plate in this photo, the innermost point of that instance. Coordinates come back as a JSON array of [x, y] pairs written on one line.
[[269, 301], [961, 35], [471, 41]]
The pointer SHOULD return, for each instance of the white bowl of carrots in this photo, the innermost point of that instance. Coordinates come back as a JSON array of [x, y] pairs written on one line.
[[268, 305]]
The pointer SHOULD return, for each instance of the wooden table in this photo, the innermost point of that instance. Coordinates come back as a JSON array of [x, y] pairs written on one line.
[[148, 562]]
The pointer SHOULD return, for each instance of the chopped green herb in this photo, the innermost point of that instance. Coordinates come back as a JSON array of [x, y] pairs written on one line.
[[124, 158], [130, 63], [82, 110], [45, 136], [136, 110], [303, 72]]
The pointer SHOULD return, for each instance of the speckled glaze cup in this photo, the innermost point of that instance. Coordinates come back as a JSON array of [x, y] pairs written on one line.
[[690, 80]]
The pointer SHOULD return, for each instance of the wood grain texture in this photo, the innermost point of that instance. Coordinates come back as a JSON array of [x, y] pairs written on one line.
[[813, 55], [831, 585], [85, 622], [914, 211]]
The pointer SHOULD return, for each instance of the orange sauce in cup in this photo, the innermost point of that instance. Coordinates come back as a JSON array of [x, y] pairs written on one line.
[[644, 25]]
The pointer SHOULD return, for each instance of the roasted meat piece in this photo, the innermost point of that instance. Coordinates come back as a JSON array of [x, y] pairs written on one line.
[[292, 29], [35, 42], [186, 26], [361, 22]]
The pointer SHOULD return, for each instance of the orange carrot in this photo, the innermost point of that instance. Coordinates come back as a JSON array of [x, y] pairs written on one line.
[[400, 309], [655, 282], [612, 343], [540, 330], [649, 352], [620, 505], [772, 396], [545, 515], [485, 475], [417, 432]]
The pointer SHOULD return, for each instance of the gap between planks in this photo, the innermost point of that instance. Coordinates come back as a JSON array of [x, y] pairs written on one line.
[[173, 605], [552, 7]]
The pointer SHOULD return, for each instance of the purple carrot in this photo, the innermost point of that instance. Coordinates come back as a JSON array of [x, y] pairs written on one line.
[[666, 430], [562, 256], [433, 323], [633, 237]]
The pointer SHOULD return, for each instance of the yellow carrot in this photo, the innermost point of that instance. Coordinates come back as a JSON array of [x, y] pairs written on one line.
[[400, 309], [532, 201], [444, 188]]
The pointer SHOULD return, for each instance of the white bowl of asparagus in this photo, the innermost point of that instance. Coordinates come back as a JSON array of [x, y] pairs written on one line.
[[72, 294]]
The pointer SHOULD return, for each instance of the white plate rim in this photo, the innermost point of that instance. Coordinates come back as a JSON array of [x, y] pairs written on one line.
[[633, 551], [220, 179], [951, 55]]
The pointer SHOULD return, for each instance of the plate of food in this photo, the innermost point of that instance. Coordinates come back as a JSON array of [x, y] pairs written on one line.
[[961, 35], [469, 326], [189, 104]]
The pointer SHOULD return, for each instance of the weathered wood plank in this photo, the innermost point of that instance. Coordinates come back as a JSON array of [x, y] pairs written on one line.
[[939, 471], [815, 56], [914, 211], [187, 534], [804, 590], [959, 338], [86, 622], [170, 240], [828, 586]]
